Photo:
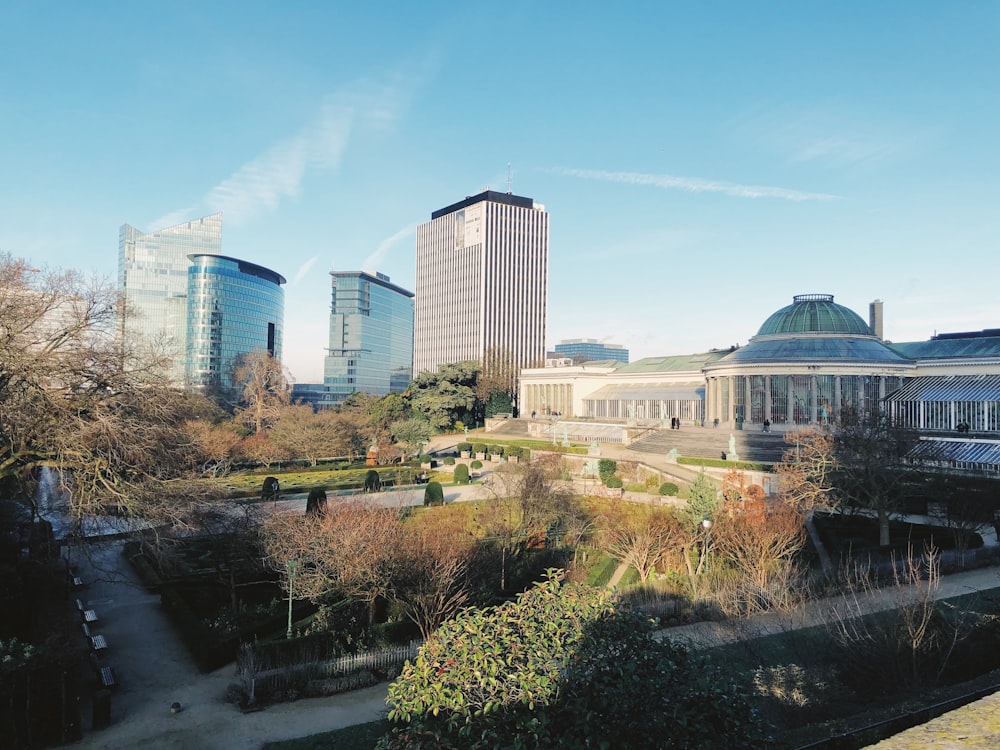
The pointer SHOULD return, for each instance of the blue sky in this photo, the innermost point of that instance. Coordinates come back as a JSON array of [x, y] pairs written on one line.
[[702, 162]]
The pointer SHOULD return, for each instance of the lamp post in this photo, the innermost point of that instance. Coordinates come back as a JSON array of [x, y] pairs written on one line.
[[290, 566], [706, 523]]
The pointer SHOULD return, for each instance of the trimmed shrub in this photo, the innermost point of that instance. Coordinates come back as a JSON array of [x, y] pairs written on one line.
[[514, 451], [462, 474], [669, 488], [479, 448], [270, 489], [613, 482], [449, 460], [434, 494], [372, 481], [605, 468], [316, 502], [477, 464], [464, 447]]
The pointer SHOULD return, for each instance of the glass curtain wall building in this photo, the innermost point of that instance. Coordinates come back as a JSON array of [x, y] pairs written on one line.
[[481, 282], [592, 350], [371, 337], [233, 308], [153, 277]]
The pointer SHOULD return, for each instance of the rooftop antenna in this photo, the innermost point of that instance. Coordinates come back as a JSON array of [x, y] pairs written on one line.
[[508, 179]]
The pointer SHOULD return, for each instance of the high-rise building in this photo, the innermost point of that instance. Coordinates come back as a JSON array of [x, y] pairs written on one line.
[[233, 308], [371, 337], [591, 350], [481, 282], [153, 277]]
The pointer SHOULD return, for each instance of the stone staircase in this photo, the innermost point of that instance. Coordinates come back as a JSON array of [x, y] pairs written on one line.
[[711, 442]]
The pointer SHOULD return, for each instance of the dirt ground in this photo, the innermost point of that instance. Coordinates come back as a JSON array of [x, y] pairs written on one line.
[[154, 670]]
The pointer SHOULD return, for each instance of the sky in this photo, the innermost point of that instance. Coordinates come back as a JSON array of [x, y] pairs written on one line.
[[702, 163]]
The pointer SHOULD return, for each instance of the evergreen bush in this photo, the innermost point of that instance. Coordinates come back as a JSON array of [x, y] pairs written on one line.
[[669, 488], [605, 468], [462, 474], [434, 494], [613, 482]]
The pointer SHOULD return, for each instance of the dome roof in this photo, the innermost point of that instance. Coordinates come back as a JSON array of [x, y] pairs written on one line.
[[814, 313]]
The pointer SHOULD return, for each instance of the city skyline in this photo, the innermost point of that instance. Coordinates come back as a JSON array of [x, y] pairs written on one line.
[[701, 164]]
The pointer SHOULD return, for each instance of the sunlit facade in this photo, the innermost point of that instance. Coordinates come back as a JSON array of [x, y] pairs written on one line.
[[813, 362], [371, 337], [233, 308], [481, 282], [153, 277]]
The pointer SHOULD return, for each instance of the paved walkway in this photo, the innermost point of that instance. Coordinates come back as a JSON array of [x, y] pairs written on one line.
[[155, 669]]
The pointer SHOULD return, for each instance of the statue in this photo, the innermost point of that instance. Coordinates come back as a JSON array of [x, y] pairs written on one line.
[[732, 445], [565, 440], [672, 455]]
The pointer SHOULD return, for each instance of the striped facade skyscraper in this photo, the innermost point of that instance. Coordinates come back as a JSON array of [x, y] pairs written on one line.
[[481, 282]]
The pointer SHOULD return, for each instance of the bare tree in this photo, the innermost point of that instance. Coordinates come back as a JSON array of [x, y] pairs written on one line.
[[760, 542], [869, 471], [216, 445], [351, 550], [306, 434], [432, 580], [263, 450], [522, 501], [641, 537], [264, 387], [806, 471]]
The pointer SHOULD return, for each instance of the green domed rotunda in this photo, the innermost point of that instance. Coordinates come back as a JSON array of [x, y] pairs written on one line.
[[809, 363]]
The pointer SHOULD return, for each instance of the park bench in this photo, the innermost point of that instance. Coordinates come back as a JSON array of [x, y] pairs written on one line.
[[107, 675], [88, 615], [97, 641], [104, 672]]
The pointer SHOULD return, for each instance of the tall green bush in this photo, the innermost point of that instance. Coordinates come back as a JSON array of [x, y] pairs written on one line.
[[605, 468], [462, 474], [434, 494], [479, 448], [372, 481]]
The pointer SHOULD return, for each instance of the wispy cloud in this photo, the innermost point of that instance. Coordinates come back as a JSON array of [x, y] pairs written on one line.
[[833, 134], [277, 173], [847, 150], [172, 219], [303, 270], [374, 261], [695, 185]]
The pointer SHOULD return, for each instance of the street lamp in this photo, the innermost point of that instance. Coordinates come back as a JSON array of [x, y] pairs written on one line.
[[290, 566], [706, 523]]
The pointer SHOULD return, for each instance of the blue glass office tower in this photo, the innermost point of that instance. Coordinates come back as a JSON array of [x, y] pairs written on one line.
[[233, 308], [153, 278], [371, 336]]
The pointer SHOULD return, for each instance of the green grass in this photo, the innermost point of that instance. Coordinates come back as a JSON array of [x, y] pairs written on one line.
[[358, 737]]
